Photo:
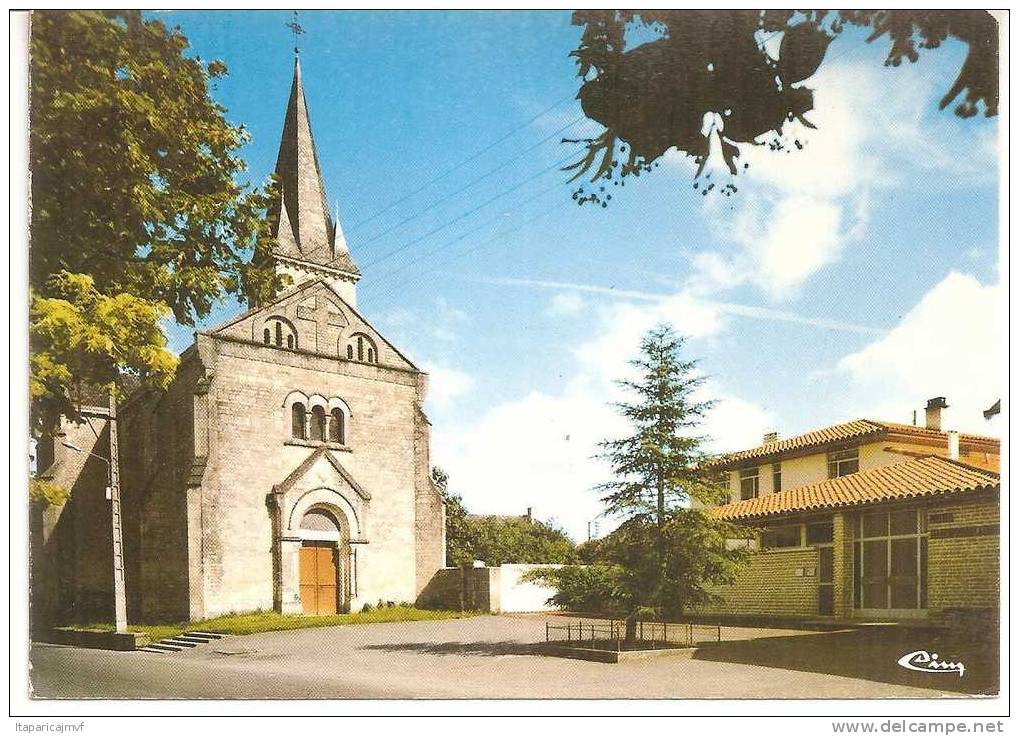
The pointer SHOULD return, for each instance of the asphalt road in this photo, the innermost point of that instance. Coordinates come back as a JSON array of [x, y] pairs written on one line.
[[482, 657]]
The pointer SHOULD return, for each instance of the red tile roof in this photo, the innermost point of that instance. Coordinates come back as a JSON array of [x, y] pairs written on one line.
[[840, 433], [924, 476]]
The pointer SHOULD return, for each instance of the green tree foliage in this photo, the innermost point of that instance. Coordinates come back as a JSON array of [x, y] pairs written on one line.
[[458, 534], [137, 214], [496, 540], [80, 333], [701, 76], [46, 493], [667, 552]]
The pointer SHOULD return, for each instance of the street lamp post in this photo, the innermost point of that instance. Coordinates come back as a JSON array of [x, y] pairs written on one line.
[[113, 495]]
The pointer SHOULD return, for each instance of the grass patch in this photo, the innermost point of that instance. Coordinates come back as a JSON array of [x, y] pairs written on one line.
[[262, 621]]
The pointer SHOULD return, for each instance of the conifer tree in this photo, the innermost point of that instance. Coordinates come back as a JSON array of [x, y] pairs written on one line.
[[667, 552]]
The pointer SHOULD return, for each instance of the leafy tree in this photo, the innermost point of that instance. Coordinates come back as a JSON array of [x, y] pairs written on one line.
[[496, 540], [137, 214], [458, 533], [667, 551], [699, 78]]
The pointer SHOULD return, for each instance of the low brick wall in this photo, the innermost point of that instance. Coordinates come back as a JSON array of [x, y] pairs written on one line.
[[773, 583]]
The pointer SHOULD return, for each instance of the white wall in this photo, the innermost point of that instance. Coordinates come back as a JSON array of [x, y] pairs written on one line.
[[517, 596]]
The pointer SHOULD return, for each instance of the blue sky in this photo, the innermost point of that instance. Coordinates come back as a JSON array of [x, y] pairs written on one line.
[[855, 278]]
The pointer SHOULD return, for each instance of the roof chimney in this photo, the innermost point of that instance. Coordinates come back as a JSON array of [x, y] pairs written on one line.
[[934, 407], [953, 445], [770, 436]]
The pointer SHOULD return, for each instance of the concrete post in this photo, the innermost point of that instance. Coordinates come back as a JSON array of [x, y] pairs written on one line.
[[119, 589]]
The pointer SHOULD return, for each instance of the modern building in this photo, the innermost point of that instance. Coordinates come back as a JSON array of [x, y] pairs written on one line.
[[866, 520], [286, 467]]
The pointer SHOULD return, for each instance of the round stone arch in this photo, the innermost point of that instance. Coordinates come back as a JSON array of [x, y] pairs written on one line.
[[329, 500], [293, 397], [296, 539]]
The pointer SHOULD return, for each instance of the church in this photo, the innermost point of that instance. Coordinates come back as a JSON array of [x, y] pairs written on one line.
[[286, 467]]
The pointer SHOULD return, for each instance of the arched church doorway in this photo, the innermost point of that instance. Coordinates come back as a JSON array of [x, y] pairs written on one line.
[[323, 563]]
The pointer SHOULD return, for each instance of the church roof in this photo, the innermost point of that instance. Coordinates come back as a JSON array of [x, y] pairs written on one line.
[[303, 228]]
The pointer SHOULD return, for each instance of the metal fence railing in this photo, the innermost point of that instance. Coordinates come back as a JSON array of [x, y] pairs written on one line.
[[612, 634]]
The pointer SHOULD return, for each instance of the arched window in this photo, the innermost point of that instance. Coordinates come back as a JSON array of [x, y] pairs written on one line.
[[279, 332], [336, 429], [318, 424], [362, 348], [298, 423]]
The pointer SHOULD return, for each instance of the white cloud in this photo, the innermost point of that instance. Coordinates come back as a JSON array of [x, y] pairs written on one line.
[[950, 344], [539, 450], [797, 211], [566, 303], [446, 384]]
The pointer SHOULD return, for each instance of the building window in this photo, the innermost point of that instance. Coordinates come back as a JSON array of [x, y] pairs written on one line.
[[890, 560], [336, 429], [298, 421], [781, 536], [362, 348], [749, 483], [776, 477], [318, 424], [820, 532], [279, 332], [843, 462]]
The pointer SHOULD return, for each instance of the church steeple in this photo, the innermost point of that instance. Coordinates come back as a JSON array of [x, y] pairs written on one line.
[[310, 243]]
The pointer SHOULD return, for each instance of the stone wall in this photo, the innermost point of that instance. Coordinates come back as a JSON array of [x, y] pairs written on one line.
[[251, 451], [71, 563], [157, 455], [429, 509]]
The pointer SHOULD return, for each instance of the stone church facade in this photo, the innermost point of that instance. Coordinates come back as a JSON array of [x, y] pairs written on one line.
[[287, 466]]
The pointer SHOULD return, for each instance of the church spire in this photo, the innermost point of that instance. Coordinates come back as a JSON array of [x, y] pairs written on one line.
[[305, 232]]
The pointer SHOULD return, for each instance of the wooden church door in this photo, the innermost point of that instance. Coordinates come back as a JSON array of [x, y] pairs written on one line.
[[319, 589]]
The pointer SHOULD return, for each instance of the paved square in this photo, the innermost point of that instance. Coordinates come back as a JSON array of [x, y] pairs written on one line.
[[487, 657]]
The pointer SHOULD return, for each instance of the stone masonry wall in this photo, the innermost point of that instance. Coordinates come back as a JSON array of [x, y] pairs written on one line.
[[157, 455], [429, 510], [250, 452], [71, 547]]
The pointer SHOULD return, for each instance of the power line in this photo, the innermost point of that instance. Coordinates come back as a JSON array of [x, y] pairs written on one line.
[[471, 183], [480, 226], [467, 160], [484, 243], [469, 212]]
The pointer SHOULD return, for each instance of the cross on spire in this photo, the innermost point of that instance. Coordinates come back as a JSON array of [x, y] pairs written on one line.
[[297, 30], [303, 227]]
